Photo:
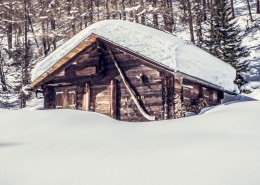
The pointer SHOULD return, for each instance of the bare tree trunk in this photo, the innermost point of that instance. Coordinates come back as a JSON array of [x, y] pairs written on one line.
[[107, 9], [2, 75], [232, 9], [91, 12], [123, 9], [155, 15], [209, 4], [53, 27], [257, 7], [249, 10], [190, 22], [199, 17], [35, 39], [26, 53], [168, 16], [204, 8], [25, 75], [97, 5], [10, 27]]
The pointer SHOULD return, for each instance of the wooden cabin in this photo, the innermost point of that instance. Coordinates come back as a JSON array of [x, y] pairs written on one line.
[[99, 74]]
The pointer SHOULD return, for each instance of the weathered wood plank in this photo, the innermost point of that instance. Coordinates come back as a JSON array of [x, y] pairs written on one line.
[[86, 98], [113, 108], [87, 71]]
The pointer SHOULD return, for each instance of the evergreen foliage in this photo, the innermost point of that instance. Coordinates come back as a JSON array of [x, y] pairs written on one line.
[[224, 39]]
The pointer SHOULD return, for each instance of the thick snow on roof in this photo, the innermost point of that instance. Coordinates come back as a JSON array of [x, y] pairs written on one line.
[[161, 47]]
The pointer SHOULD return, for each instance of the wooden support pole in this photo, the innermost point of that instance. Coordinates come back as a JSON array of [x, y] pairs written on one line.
[[113, 100], [171, 95], [86, 98], [166, 106]]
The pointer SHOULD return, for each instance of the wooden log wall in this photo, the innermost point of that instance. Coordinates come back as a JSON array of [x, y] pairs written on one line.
[[100, 87], [108, 95], [100, 98], [179, 109], [196, 96], [144, 80], [49, 98]]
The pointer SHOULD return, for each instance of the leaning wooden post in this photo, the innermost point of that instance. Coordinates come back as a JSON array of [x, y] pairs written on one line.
[[132, 93]]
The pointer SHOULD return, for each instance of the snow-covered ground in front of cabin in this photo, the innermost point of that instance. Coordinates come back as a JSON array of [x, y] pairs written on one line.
[[63, 147]]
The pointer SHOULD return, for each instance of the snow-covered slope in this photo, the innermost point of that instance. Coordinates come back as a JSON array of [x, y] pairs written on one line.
[[164, 48], [62, 147]]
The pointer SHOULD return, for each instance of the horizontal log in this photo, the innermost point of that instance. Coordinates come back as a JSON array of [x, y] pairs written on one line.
[[100, 86], [99, 99], [87, 71], [102, 110]]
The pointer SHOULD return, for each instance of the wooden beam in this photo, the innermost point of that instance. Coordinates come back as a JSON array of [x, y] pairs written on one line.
[[113, 107], [86, 98]]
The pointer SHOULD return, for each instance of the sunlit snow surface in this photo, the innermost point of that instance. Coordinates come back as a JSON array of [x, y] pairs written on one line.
[[62, 147], [166, 49]]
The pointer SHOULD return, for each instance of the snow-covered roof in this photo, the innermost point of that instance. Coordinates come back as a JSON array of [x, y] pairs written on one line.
[[163, 48]]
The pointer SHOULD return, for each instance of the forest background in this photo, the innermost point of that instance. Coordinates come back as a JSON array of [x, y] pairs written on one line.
[[31, 29]]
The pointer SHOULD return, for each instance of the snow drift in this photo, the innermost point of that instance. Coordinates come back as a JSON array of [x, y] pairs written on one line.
[[63, 147]]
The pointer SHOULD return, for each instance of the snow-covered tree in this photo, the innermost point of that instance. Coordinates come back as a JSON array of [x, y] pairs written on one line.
[[224, 38]]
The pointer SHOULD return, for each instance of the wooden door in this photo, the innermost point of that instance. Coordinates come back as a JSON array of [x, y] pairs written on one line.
[[65, 97], [59, 99], [70, 100]]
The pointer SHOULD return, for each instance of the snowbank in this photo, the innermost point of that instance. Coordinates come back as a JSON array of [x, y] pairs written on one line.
[[62, 147], [163, 48]]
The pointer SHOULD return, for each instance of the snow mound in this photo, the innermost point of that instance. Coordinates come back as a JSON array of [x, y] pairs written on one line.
[[63, 147], [163, 48]]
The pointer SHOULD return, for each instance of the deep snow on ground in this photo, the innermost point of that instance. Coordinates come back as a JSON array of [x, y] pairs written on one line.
[[63, 147]]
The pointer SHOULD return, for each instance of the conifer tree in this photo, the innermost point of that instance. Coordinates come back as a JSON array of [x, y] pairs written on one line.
[[224, 39]]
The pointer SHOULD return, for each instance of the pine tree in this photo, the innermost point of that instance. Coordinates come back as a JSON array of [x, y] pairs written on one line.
[[224, 39]]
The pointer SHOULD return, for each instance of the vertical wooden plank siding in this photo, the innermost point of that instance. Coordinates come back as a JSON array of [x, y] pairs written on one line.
[[166, 101], [171, 97], [113, 108], [86, 98]]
